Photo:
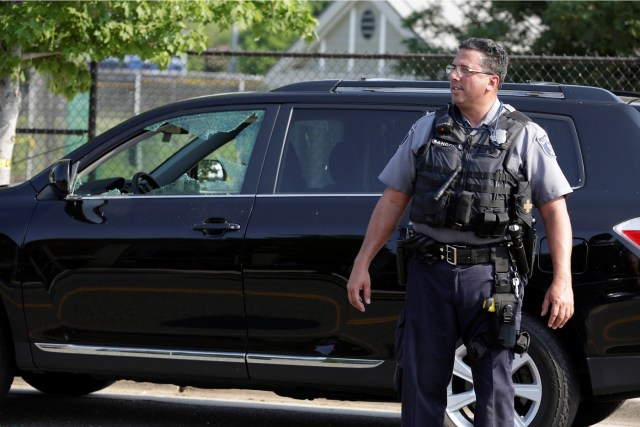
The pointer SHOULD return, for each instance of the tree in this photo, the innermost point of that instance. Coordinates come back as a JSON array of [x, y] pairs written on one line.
[[580, 28], [602, 28], [60, 39], [542, 27], [247, 41]]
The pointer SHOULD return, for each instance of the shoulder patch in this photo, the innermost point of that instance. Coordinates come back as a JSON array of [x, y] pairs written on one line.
[[545, 144]]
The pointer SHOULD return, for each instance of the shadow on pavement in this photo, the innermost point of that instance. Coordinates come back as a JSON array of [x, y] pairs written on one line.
[[27, 408]]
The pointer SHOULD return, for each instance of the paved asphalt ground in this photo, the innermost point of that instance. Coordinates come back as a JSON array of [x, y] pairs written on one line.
[[386, 413]]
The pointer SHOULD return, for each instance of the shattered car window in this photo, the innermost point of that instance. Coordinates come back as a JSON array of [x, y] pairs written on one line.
[[206, 124], [204, 153]]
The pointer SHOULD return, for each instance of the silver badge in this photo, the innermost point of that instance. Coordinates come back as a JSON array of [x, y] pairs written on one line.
[[500, 136]]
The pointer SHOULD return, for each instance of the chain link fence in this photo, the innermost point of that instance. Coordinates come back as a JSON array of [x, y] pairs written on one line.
[[50, 126]]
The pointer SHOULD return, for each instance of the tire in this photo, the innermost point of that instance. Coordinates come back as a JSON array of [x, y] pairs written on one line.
[[590, 413], [546, 387], [64, 384]]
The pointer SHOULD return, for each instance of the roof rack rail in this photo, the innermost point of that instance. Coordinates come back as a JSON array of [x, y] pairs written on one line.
[[541, 90], [630, 97], [309, 86], [627, 93]]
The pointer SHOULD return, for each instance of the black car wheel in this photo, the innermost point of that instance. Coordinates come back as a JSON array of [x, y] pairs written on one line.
[[545, 384], [65, 384]]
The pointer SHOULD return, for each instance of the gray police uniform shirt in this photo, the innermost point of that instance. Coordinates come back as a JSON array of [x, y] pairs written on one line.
[[532, 153]]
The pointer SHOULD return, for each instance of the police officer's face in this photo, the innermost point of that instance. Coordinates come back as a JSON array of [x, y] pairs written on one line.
[[469, 89]]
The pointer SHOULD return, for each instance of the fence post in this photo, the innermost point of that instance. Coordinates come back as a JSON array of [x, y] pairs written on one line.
[[93, 100]]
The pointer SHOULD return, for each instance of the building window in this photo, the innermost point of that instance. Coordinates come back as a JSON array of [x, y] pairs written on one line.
[[368, 24]]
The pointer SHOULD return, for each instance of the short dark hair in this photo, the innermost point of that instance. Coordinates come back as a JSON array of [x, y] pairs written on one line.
[[495, 58]]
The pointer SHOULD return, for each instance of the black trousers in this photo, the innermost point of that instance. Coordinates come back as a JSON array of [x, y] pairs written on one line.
[[443, 304]]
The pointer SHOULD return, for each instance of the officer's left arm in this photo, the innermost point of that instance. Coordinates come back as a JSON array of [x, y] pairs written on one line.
[[559, 296]]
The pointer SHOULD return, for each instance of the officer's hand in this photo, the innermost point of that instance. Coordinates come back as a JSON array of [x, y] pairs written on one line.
[[560, 297], [359, 288]]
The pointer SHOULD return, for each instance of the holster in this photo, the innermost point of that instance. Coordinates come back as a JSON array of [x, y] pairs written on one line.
[[530, 240], [408, 243], [525, 218], [504, 304], [506, 308]]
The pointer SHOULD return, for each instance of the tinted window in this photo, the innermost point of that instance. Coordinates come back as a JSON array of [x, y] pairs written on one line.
[[340, 151], [564, 139]]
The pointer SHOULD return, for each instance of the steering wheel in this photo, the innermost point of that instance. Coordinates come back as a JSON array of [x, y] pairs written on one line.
[[137, 188]]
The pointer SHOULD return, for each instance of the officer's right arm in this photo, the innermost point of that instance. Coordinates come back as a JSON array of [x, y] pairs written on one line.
[[383, 223]]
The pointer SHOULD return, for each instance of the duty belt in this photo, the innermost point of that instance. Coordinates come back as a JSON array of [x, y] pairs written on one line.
[[456, 254]]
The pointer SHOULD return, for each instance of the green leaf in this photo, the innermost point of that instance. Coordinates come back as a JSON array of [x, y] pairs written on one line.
[[73, 33]]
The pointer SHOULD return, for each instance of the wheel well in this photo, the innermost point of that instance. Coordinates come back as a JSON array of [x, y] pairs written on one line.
[[572, 337]]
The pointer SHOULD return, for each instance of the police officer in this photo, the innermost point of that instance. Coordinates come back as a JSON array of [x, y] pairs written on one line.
[[469, 171]]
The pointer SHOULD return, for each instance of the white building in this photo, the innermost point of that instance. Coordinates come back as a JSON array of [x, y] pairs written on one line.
[[348, 27], [371, 27]]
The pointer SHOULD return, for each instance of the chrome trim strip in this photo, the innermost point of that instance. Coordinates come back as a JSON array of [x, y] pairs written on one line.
[[323, 361], [319, 195], [393, 89], [532, 93], [202, 356], [161, 196], [529, 93], [142, 352]]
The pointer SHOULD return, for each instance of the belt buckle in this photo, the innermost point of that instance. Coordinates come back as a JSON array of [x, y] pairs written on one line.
[[451, 254]]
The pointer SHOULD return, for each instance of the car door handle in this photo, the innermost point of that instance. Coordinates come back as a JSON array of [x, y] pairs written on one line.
[[215, 226]]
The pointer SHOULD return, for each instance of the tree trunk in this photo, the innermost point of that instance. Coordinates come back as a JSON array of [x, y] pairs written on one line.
[[9, 109]]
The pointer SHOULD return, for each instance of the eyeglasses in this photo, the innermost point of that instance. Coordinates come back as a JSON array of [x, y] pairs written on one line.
[[463, 70]]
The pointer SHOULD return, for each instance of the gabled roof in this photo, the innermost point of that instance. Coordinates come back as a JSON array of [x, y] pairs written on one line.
[[333, 15]]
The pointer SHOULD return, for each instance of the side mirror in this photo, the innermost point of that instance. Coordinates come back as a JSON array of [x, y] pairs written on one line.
[[62, 177], [211, 170]]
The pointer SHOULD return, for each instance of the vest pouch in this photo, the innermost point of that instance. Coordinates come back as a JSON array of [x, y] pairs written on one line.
[[463, 211], [426, 210], [492, 225], [501, 225], [486, 225]]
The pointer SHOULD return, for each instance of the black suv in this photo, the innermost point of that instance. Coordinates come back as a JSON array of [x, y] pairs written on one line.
[[209, 243]]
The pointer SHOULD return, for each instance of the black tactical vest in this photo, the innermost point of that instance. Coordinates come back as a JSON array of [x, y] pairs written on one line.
[[463, 183]]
